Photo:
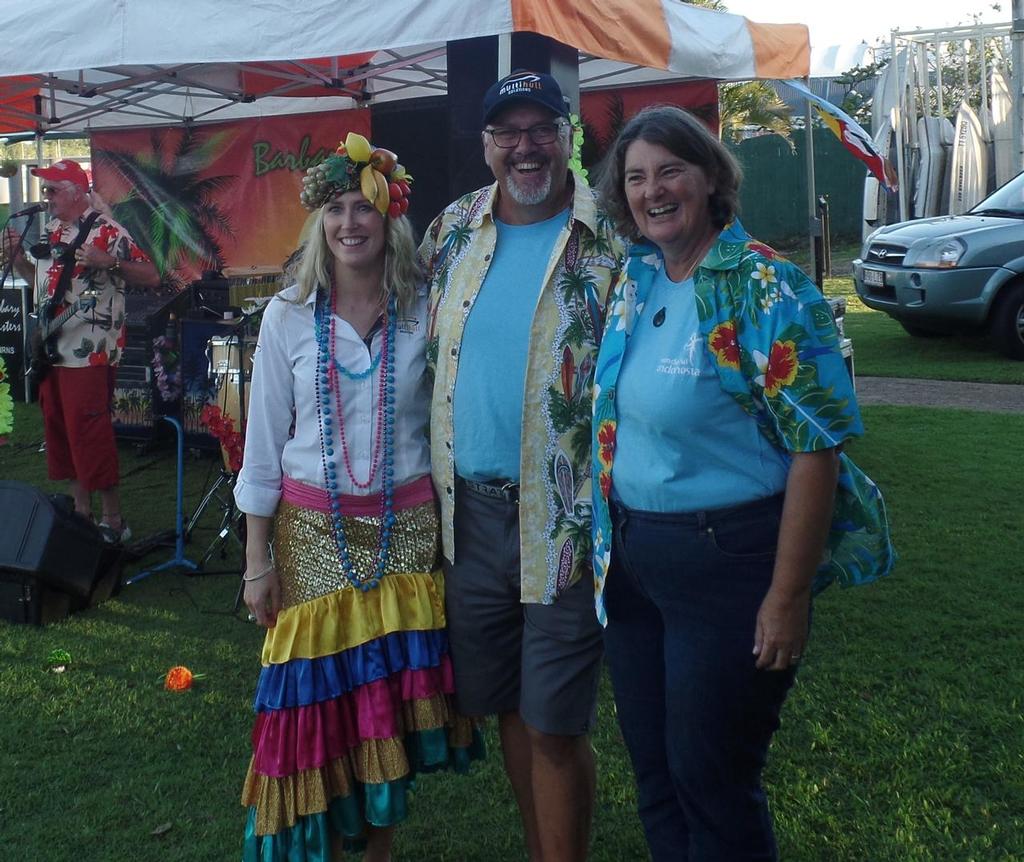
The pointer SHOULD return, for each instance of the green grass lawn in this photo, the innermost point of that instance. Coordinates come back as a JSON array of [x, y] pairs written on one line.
[[902, 740], [882, 348]]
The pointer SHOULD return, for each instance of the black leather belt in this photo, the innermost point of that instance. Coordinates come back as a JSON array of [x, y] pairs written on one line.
[[499, 489]]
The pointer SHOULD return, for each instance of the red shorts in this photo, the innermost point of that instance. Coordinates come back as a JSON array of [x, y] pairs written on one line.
[[80, 442]]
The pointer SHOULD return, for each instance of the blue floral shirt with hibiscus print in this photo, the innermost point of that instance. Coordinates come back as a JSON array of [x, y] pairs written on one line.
[[770, 336]]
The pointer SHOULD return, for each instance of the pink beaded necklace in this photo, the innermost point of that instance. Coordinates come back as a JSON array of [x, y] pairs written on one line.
[[334, 383]]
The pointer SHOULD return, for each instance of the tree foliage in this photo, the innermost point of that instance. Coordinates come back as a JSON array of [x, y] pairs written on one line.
[[748, 106], [857, 102], [752, 105]]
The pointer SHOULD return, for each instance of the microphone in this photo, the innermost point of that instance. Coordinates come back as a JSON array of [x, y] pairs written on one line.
[[32, 210]]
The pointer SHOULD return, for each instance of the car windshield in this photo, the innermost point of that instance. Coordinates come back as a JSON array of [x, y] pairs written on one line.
[[1006, 200]]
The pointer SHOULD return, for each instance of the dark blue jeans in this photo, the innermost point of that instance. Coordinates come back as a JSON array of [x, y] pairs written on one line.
[[682, 598]]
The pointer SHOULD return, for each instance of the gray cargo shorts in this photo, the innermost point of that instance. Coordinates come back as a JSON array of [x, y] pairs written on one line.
[[543, 661]]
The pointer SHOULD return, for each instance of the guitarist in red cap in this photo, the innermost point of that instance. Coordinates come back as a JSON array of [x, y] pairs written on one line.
[[84, 260]]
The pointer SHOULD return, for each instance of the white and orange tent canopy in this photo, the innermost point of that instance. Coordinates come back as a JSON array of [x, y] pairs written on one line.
[[96, 63]]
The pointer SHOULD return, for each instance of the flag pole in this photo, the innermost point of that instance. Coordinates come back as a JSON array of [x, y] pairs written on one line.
[[1017, 82], [813, 222]]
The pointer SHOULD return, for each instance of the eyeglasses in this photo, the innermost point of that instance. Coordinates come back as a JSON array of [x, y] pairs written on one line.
[[50, 190], [542, 133]]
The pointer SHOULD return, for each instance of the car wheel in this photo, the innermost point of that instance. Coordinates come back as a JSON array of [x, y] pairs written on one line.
[[1008, 322], [923, 331]]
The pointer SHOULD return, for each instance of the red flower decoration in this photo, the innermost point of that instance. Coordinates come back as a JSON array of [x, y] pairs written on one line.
[[762, 249], [605, 480], [606, 443], [99, 358], [724, 345], [782, 367], [180, 678], [52, 279], [105, 238], [223, 428]]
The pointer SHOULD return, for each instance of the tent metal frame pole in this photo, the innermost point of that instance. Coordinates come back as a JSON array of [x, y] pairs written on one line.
[[504, 55], [30, 289]]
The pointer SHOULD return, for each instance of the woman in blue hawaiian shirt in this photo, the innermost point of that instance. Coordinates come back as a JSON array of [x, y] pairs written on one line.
[[721, 501]]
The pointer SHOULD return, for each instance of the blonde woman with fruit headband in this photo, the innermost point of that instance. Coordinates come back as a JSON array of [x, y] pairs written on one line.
[[355, 693]]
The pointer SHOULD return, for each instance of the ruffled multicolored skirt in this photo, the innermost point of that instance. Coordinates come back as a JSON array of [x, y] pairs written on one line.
[[355, 695]]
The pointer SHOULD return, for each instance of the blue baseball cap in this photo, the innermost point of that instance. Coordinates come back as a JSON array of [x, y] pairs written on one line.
[[525, 86]]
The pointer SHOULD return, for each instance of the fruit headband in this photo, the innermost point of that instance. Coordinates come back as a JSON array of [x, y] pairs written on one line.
[[383, 182]]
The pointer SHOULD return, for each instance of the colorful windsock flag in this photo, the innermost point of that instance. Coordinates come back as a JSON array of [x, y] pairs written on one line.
[[851, 135]]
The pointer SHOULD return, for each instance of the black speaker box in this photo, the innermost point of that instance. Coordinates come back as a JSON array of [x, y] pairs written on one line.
[[43, 538], [23, 599]]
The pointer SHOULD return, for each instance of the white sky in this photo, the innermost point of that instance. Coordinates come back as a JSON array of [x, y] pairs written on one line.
[[841, 22]]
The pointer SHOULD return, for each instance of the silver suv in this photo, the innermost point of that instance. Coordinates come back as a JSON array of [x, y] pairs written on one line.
[[949, 274]]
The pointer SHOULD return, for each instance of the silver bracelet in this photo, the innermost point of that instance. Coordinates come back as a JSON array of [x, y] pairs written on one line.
[[261, 575]]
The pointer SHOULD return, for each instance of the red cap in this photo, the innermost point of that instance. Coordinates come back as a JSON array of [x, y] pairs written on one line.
[[65, 169]]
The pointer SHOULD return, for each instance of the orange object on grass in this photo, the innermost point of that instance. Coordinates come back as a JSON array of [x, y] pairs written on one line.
[[179, 678]]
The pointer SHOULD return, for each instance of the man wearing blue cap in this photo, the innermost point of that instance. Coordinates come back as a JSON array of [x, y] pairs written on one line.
[[520, 271]]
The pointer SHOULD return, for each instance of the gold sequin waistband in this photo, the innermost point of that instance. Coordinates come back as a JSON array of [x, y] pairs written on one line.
[[307, 555]]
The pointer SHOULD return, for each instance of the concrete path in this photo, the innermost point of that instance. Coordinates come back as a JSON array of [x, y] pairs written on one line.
[[907, 392]]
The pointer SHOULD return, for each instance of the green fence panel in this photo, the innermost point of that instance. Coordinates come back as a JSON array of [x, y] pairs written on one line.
[[773, 197]]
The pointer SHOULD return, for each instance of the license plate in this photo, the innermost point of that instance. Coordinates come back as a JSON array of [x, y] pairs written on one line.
[[874, 277]]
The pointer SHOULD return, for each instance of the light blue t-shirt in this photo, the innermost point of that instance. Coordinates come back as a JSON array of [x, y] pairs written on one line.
[[488, 405], [682, 444]]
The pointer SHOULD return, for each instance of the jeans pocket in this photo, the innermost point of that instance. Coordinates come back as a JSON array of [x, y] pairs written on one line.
[[745, 539]]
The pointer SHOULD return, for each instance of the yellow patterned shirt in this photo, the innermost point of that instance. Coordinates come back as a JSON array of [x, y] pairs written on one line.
[[554, 497]]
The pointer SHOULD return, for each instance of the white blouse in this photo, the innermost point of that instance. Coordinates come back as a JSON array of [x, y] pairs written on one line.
[[282, 435]]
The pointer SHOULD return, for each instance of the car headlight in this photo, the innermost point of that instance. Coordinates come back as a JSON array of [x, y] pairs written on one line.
[[944, 254]]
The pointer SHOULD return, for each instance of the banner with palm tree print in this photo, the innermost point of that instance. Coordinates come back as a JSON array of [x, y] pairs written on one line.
[[202, 197]]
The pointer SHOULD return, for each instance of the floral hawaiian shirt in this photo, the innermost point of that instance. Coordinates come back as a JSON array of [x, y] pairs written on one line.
[[770, 335], [95, 336], [554, 496]]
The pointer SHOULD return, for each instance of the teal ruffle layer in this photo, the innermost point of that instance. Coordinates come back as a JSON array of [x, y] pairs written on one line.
[[309, 840]]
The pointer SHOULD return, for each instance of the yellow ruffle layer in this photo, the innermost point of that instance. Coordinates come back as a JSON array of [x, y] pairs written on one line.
[[347, 618]]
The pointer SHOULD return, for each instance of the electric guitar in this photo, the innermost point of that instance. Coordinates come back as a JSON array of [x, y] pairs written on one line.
[[43, 339]]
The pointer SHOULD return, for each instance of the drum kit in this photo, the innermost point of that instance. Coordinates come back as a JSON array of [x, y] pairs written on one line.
[[229, 366]]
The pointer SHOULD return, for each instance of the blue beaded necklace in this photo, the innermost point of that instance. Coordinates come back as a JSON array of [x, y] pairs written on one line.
[[358, 375], [328, 388]]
